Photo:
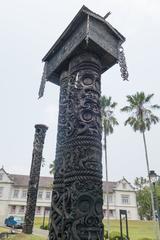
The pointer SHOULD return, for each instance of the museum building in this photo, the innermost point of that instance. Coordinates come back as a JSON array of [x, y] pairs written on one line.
[[13, 196]]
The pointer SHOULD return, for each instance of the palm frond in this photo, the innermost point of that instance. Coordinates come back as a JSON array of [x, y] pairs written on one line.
[[127, 109], [148, 97], [108, 118], [131, 100], [141, 115], [155, 106], [113, 105], [154, 119]]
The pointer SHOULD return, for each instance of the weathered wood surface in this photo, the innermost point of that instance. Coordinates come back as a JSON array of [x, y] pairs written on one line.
[[87, 31]]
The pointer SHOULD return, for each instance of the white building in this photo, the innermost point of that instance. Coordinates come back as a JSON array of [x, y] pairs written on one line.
[[122, 195], [13, 195]]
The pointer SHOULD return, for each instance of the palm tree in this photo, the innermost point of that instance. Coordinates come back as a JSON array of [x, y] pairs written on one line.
[[108, 123], [141, 119], [52, 168]]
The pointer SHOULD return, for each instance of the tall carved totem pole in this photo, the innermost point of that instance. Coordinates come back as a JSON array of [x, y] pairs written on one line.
[[87, 48], [40, 132]]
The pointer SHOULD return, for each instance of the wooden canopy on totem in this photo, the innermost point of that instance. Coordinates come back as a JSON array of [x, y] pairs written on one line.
[[88, 31]]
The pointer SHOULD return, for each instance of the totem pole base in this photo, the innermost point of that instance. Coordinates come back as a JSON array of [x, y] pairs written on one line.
[[27, 229]]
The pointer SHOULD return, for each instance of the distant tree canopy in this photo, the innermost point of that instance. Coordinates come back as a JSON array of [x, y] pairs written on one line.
[[52, 168], [144, 197]]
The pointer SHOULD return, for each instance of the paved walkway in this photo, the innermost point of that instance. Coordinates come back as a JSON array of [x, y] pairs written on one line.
[[40, 232], [36, 231]]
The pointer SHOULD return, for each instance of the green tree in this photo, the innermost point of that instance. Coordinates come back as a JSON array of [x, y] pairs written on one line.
[[144, 203], [108, 123], [52, 168], [141, 119], [143, 198], [158, 196], [140, 182], [158, 192]]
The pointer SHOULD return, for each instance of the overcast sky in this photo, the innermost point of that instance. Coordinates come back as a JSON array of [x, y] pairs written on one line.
[[28, 28]]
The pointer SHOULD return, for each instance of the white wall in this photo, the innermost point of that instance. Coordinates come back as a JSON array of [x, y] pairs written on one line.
[[7, 200], [20, 201], [6, 184], [3, 211], [123, 188]]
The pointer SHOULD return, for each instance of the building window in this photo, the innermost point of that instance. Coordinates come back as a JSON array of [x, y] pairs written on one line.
[[1, 176], [124, 185], [48, 195], [13, 209], [1, 192], [111, 213], [15, 193], [24, 194], [40, 194], [125, 199], [38, 210], [21, 209]]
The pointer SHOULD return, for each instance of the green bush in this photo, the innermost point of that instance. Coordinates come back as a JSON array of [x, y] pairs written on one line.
[[105, 235], [116, 236], [45, 227]]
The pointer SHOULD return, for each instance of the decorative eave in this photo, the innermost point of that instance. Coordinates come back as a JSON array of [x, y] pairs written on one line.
[[87, 32], [8, 175], [84, 11], [124, 179]]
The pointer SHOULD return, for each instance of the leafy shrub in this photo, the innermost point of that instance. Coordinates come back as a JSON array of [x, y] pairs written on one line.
[[116, 236], [45, 227], [105, 235]]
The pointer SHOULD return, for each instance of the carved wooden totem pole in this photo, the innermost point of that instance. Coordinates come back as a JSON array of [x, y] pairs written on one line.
[[40, 132], [87, 48]]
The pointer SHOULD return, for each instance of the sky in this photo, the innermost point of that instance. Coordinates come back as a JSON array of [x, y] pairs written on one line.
[[28, 29]]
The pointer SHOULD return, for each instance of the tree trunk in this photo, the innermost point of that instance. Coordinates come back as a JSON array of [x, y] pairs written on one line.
[[148, 171], [107, 184], [150, 187]]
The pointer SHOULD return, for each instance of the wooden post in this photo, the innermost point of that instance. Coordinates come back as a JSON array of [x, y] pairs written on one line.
[[40, 131]]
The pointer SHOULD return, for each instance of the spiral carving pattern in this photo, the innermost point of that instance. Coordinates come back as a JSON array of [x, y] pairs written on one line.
[[76, 211]]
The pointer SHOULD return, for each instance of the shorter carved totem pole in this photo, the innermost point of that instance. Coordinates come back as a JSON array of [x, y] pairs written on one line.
[[87, 48], [40, 132]]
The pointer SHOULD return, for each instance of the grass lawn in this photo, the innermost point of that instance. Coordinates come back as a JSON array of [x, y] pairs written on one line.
[[39, 221], [22, 236], [3, 229], [137, 229]]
